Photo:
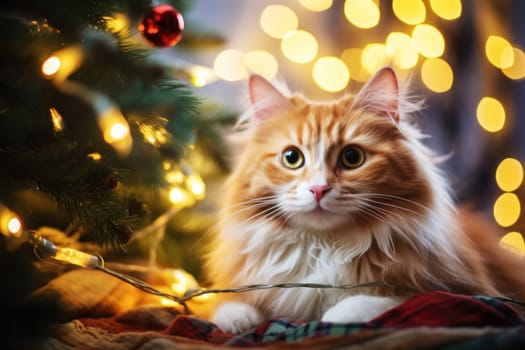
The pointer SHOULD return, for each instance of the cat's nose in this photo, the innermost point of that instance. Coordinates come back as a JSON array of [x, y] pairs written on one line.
[[319, 191]]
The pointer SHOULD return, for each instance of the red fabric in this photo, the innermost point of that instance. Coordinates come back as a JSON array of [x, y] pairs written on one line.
[[433, 309], [442, 309], [195, 328]]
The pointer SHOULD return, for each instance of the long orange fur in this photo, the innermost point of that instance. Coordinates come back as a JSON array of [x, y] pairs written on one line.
[[391, 220]]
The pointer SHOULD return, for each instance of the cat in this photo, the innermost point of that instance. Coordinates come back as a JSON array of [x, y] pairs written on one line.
[[341, 192]]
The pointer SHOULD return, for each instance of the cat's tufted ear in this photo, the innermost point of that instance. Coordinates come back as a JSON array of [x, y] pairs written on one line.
[[265, 98], [380, 94]]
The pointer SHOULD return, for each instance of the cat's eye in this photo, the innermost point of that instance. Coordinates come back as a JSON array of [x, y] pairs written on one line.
[[292, 158], [352, 157]]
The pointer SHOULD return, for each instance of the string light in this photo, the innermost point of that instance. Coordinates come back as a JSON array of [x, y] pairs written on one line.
[[490, 114], [278, 20], [181, 197], [62, 63], [76, 257], [154, 133], [117, 22], [174, 177], [409, 11], [180, 282], [201, 76], [115, 130], [56, 120], [95, 156], [196, 185], [51, 66], [10, 222]]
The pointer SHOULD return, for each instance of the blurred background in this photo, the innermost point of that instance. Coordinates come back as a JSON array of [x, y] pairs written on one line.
[[465, 58], [112, 116]]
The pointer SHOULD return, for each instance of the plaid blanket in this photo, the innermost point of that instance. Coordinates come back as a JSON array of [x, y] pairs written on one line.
[[426, 321]]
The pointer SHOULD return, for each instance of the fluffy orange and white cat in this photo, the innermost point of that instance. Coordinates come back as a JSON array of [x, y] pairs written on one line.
[[343, 192]]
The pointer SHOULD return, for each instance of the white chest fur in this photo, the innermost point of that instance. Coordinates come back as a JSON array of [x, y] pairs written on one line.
[[298, 257]]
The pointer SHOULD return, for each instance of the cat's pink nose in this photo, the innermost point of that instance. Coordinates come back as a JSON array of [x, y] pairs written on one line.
[[319, 191]]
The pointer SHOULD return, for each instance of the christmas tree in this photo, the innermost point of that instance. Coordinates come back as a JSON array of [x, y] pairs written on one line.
[[97, 136]]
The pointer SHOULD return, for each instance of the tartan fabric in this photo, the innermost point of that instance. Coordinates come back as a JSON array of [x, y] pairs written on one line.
[[433, 309], [426, 321]]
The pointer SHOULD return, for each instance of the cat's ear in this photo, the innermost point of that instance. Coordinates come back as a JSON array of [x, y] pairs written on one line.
[[380, 94], [265, 98]]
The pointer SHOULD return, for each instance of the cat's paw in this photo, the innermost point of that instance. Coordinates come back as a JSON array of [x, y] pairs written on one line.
[[359, 308], [236, 317]]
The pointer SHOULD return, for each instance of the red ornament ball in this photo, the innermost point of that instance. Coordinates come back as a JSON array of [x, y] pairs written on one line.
[[162, 26]]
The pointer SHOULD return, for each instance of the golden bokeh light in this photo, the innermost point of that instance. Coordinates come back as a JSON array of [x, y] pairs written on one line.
[[509, 174], [437, 75], [114, 126], [95, 156], [517, 70], [14, 226], [409, 11], [513, 241], [116, 23], [299, 46], [117, 132], [507, 209], [316, 5], [229, 66], [499, 51], [62, 63], [174, 176], [196, 185], [181, 197], [261, 62], [352, 58], [330, 74], [402, 50], [490, 114], [10, 223], [278, 20], [56, 119], [374, 56], [428, 40], [51, 65], [201, 76], [362, 13], [446, 9]]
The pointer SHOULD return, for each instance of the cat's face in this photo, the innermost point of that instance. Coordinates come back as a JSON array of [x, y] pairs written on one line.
[[332, 166]]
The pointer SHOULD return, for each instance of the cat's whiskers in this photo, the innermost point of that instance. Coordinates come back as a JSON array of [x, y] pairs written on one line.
[[366, 197], [254, 201], [390, 206], [272, 213], [394, 197], [373, 212], [250, 204]]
